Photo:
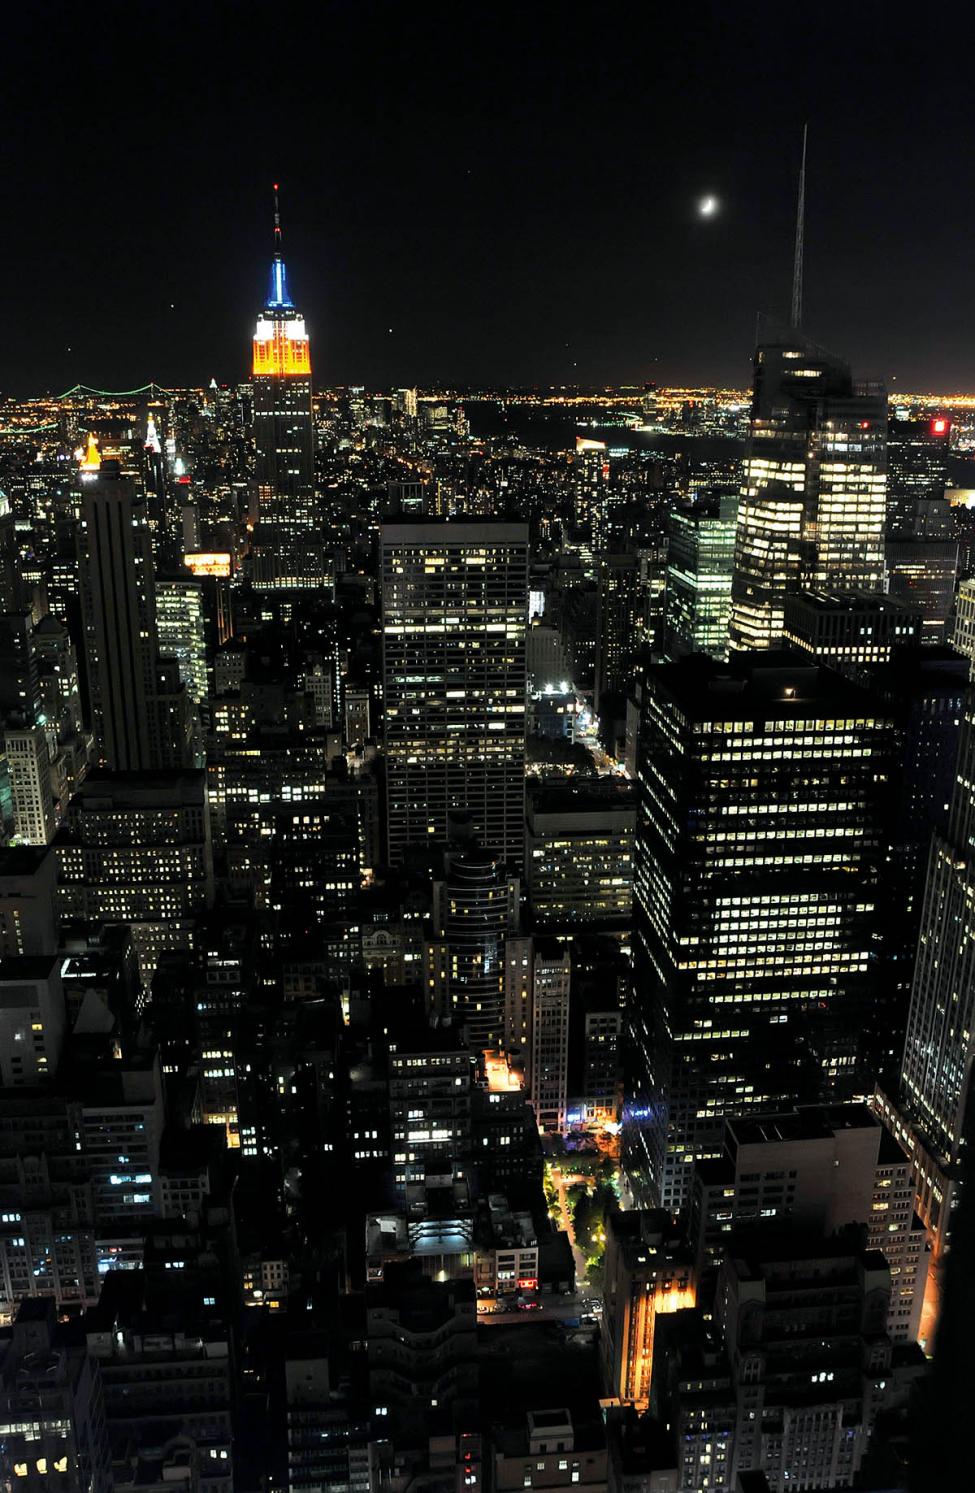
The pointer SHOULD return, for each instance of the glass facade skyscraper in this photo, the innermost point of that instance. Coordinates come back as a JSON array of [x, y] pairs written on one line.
[[813, 504], [700, 560], [757, 858]]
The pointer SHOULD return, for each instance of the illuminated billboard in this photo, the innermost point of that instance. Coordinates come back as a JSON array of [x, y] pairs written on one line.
[[208, 562]]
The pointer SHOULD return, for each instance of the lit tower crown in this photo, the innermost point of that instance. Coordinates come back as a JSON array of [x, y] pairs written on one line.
[[280, 340]]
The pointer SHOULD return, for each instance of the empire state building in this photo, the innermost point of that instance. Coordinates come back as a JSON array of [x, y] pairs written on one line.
[[286, 550]]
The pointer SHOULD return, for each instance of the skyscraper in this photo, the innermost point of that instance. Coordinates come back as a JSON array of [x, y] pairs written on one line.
[[139, 716], [475, 908], [757, 858], [940, 1047], [917, 469], [455, 604], [812, 508], [701, 552], [286, 549], [618, 619]]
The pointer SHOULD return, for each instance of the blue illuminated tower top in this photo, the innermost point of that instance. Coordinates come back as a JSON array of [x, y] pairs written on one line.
[[277, 296]]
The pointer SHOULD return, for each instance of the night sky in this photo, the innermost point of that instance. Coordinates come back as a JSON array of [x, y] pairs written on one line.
[[484, 193]]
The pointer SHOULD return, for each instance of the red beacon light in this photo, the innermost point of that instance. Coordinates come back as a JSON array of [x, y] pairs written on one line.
[[939, 425]]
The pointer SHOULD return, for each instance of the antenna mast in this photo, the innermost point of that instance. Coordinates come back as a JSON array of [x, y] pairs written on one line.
[[800, 236]]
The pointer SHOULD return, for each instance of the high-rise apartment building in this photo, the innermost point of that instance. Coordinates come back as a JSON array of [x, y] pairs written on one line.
[[286, 549], [549, 1070], [700, 561], [812, 508], [757, 861], [139, 715], [475, 908], [455, 604]]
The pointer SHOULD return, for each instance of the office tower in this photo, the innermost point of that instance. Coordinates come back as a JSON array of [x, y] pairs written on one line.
[[286, 548], [963, 639], [812, 508], [579, 861], [474, 910], [139, 717], [924, 691], [32, 1018], [759, 842], [20, 691], [849, 632], [813, 1171], [549, 1070], [917, 469], [29, 770], [181, 627], [936, 1105], [548, 668], [135, 848], [619, 624], [700, 561], [922, 571], [63, 1441], [648, 1270], [455, 601]]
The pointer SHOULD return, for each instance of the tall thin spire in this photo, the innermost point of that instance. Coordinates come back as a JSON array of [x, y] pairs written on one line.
[[800, 236], [278, 293]]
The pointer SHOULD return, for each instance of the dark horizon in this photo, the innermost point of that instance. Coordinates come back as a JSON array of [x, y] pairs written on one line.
[[509, 205]]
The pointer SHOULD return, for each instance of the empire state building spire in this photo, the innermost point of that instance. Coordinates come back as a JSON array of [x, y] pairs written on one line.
[[287, 544], [278, 293]]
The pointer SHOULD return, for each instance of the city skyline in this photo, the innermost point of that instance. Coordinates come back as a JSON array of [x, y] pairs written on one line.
[[487, 909]]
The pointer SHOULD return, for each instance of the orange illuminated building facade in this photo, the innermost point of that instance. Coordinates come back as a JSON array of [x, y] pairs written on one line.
[[648, 1271]]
